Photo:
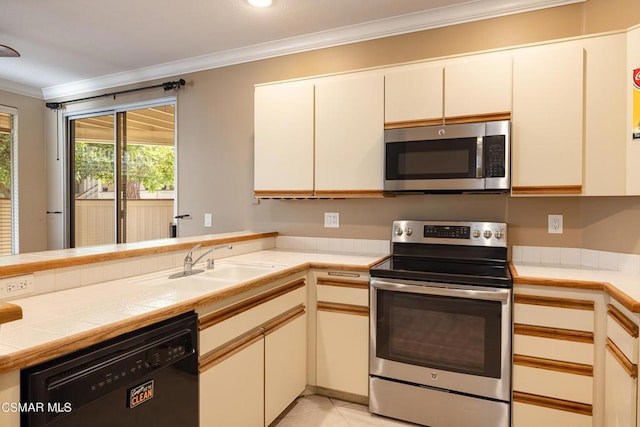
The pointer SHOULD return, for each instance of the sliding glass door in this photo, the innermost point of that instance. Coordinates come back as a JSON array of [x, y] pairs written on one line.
[[121, 174]]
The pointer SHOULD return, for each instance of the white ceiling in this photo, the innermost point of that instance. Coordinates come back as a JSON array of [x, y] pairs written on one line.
[[73, 46]]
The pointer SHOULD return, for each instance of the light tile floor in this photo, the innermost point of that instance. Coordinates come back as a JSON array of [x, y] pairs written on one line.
[[320, 411]]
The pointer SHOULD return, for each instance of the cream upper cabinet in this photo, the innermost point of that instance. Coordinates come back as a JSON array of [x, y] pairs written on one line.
[[547, 121], [283, 150], [413, 94], [468, 89], [478, 87], [605, 116], [349, 135]]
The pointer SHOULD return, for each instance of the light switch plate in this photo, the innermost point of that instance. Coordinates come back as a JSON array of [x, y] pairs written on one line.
[[331, 220], [208, 220], [555, 224]]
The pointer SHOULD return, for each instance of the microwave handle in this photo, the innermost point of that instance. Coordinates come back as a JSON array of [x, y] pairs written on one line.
[[479, 158]]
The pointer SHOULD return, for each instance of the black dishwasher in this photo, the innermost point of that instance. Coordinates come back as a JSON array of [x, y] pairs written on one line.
[[146, 377]]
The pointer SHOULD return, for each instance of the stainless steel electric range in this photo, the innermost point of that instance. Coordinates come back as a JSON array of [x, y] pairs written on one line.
[[440, 335]]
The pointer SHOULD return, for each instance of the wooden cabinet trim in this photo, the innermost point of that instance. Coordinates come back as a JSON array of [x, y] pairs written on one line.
[[554, 333], [414, 123], [236, 345], [334, 307], [553, 365], [340, 282], [348, 193], [552, 403], [576, 304], [625, 323], [9, 312], [476, 118], [283, 193], [227, 350], [555, 189], [283, 319], [214, 318], [627, 365]]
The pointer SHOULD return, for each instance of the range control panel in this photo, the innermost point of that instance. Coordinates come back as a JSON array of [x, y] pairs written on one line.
[[450, 233]]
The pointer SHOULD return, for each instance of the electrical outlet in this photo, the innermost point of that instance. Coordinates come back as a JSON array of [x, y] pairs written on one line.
[[15, 286], [332, 220], [555, 224], [208, 220]]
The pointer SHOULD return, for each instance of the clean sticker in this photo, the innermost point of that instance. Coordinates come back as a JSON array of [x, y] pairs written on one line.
[[140, 394]]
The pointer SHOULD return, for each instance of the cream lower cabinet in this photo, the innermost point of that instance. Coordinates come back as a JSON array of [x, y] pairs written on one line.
[[285, 365], [342, 353], [253, 357], [232, 391], [554, 357], [621, 368]]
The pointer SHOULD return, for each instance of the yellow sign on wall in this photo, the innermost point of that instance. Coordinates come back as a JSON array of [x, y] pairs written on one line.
[[635, 123]]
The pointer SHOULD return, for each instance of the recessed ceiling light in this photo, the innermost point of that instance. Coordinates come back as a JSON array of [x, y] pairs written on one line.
[[6, 51], [260, 3]]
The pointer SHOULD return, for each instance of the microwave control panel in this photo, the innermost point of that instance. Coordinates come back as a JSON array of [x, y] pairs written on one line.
[[494, 156]]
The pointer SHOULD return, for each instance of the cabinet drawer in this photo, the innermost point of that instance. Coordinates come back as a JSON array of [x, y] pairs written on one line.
[[561, 313], [223, 325], [526, 415], [554, 384], [554, 349], [343, 290]]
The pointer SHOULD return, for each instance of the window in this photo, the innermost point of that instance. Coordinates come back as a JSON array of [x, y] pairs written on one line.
[[122, 175], [8, 181]]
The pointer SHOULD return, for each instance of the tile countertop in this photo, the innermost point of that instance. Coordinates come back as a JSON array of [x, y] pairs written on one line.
[[60, 322], [624, 287]]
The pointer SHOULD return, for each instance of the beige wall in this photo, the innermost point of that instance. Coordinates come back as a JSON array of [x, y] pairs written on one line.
[[215, 147], [31, 173]]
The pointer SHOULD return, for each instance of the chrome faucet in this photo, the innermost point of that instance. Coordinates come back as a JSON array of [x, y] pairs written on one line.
[[189, 262]]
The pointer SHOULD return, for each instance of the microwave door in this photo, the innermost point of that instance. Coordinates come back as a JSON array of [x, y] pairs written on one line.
[[437, 165]]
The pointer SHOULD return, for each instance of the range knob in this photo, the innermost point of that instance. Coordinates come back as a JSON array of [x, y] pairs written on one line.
[[398, 231], [499, 234], [476, 233], [487, 234], [408, 231]]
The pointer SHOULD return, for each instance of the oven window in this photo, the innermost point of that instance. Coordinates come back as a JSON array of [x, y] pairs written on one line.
[[441, 159], [448, 333]]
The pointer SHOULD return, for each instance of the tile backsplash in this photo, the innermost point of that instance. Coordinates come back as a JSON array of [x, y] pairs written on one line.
[[327, 244], [576, 258]]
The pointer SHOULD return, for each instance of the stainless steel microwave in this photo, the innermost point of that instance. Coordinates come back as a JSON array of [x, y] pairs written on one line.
[[466, 157]]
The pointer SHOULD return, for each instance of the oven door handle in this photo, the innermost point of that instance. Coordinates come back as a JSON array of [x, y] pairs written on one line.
[[443, 289]]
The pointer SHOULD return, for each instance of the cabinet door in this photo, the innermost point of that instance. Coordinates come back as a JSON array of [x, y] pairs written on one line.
[[343, 352], [547, 127], [285, 358], [232, 391], [479, 87], [413, 95], [620, 392], [283, 142], [349, 136], [605, 120]]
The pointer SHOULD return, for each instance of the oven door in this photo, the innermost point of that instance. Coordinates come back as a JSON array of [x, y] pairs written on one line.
[[441, 335]]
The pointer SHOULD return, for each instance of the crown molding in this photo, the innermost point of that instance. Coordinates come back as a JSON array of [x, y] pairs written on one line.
[[451, 15], [20, 89]]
